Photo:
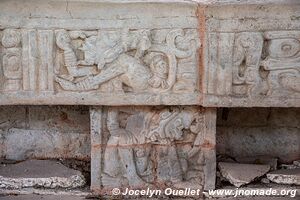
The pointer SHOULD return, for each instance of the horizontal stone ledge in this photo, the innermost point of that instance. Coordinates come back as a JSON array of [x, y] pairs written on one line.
[[99, 99]]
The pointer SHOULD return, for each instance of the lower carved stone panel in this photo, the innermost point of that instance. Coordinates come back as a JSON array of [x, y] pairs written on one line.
[[152, 147]]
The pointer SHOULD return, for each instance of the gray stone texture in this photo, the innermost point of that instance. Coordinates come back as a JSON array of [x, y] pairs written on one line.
[[44, 132], [39, 174], [174, 54], [250, 132], [285, 176], [143, 147], [242, 174]]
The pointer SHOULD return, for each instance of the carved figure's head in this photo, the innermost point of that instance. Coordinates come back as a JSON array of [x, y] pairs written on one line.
[[63, 39], [174, 129], [159, 67], [11, 38]]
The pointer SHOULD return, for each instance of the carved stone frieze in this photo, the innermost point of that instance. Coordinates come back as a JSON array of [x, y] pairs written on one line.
[[11, 60], [249, 67], [45, 64], [160, 147], [125, 61]]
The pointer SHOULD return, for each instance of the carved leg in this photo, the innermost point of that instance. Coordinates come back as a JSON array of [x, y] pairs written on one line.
[[127, 159], [92, 82]]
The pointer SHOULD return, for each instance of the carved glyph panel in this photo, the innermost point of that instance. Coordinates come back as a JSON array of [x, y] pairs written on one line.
[[155, 147], [249, 67], [122, 61]]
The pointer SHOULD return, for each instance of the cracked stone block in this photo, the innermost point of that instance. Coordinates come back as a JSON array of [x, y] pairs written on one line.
[[21, 144], [157, 147], [39, 173], [281, 142], [285, 176], [242, 174], [265, 160]]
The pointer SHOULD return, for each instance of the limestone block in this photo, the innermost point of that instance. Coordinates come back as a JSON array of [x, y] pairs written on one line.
[[157, 147], [252, 58], [20, 144], [12, 117], [241, 174], [265, 160], [39, 173], [280, 142], [99, 53], [63, 119], [285, 176]]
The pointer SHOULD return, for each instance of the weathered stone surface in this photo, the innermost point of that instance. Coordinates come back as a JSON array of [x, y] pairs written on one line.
[[42, 197], [63, 119], [241, 174], [144, 54], [44, 132], [248, 65], [297, 163], [67, 197], [148, 146], [252, 132], [148, 53], [253, 141], [133, 54], [261, 160], [285, 176], [39, 173], [257, 198], [20, 144]]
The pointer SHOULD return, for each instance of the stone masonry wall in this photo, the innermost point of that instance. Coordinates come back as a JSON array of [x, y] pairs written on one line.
[[44, 132], [63, 132], [244, 132]]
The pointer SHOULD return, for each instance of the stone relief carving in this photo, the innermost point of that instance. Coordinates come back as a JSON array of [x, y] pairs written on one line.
[[124, 60], [119, 61], [262, 64], [283, 61], [11, 60], [146, 146], [246, 61]]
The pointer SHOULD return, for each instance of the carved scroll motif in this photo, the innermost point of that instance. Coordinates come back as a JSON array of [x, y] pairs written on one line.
[[272, 71], [11, 60], [283, 61], [246, 63]]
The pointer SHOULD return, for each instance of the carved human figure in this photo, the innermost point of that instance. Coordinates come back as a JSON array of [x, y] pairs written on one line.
[[119, 154], [168, 129], [129, 71], [63, 41], [129, 151], [12, 67]]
